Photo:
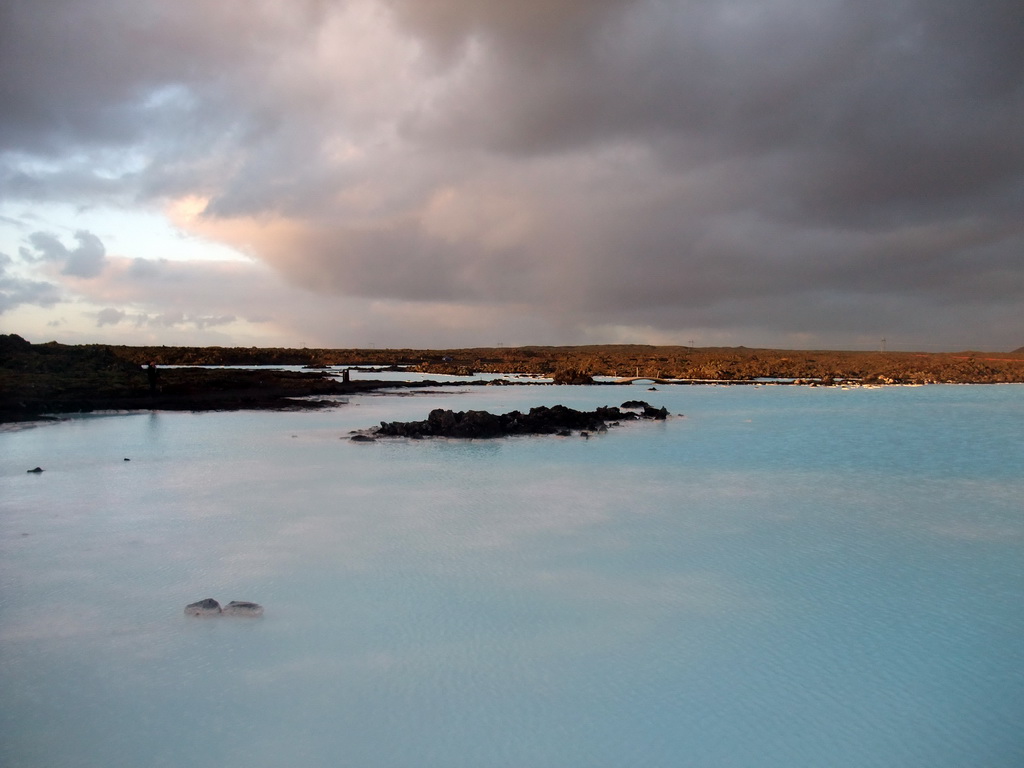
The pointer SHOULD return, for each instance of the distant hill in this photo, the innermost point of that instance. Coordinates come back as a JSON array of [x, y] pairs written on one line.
[[1018, 351]]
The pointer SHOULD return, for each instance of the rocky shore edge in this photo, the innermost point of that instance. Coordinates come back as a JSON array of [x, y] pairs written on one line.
[[41, 381], [182, 389]]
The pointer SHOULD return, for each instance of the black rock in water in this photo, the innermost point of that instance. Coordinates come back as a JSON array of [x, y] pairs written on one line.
[[634, 404], [207, 607], [35, 471], [243, 608], [658, 414]]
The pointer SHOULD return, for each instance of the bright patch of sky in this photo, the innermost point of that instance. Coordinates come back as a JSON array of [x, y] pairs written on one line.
[[136, 233]]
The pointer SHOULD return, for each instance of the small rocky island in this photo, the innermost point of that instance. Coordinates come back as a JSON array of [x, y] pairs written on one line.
[[542, 420]]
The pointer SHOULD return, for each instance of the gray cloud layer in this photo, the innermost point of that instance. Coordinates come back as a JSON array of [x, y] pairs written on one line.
[[819, 170], [16, 290], [87, 260]]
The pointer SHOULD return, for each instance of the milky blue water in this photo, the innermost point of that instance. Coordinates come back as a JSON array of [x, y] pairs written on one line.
[[785, 576]]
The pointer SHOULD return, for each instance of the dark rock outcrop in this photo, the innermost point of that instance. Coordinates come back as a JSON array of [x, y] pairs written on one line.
[[647, 410], [658, 414], [207, 607], [243, 608], [556, 420], [39, 380], [571, 375]]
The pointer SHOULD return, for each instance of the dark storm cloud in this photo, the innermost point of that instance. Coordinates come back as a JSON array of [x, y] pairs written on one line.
[[675, 165], [101, 72], [838, 105], [859, 149]]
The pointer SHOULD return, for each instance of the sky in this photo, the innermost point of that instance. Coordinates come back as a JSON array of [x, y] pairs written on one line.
[[451, 173]]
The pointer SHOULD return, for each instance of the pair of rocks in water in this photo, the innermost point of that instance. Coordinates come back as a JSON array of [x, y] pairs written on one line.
[[210, 607]]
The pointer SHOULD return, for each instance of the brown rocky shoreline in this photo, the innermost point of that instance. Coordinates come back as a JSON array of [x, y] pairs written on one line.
[[52, 378], [738, 364]]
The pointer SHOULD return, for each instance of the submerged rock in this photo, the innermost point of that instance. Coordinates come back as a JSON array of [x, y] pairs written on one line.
[[243, 608], [207, 607]]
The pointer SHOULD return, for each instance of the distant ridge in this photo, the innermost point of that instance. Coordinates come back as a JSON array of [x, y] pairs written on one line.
[[59, 378]]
